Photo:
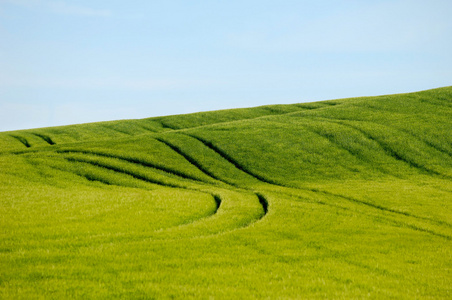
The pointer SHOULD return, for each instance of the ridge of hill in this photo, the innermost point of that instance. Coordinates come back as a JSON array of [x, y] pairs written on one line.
[[347, 198]]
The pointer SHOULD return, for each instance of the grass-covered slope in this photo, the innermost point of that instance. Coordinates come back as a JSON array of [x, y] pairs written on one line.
[[349, 198]]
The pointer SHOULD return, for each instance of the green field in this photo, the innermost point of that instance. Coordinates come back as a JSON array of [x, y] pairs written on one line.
[[348, 198]]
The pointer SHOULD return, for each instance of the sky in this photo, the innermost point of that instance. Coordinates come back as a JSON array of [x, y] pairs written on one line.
[[66, 62]]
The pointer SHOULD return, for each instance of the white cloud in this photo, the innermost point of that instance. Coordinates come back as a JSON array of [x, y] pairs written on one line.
[[60, 7]]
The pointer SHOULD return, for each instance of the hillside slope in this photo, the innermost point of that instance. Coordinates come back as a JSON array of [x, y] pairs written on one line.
[[346, 198]]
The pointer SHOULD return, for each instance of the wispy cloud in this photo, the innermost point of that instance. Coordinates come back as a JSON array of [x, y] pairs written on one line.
[[60, 7]]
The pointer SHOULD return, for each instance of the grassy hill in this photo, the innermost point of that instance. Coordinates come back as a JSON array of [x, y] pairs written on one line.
[[348, 198]]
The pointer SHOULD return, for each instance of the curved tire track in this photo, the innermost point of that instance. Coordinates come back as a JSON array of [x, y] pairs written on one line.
[[216, 197], [390, 216], [45, 138], [21, 139], [137, 162], [191, 160], [393, 153], [231, 160], [356, 201], [262, 200], [340, 146]]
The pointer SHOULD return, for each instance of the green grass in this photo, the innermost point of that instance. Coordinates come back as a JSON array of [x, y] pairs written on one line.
[[348, 198]]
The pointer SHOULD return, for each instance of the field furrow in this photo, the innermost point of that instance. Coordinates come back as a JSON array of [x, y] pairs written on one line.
[[45, 138], [401, 217], [241, 213], [391, 151], [136, 161], [232, 161], [22, 140], [191, 160]]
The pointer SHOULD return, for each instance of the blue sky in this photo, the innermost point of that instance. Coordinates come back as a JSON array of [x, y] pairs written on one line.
[[65, 62]]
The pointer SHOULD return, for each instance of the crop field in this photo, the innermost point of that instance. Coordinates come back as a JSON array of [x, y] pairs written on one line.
[[348, 198]]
